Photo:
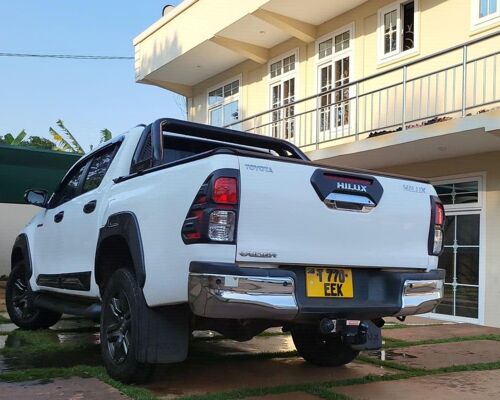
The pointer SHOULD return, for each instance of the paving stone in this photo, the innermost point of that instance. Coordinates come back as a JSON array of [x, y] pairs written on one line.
[[413, 320], [476, 385], [439, 332], [259, 344], [193, 377], [72, 388], [285, 396], [443, 355]]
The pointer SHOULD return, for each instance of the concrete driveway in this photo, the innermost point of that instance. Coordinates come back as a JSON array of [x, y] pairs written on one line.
[[421, 358]]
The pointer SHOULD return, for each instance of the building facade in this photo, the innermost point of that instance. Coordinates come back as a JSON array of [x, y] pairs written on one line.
[[401, 86]]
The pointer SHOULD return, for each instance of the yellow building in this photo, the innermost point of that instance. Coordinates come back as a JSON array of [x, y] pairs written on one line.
[[403, 86]]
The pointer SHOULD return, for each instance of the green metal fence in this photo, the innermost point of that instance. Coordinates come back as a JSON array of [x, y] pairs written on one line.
[[24, 168]]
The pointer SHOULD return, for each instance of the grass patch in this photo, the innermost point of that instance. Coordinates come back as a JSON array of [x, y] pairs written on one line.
[[83, 371], [395, 343], [4, 320]]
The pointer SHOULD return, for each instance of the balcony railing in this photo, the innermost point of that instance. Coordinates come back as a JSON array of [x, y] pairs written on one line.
[[455, 82]]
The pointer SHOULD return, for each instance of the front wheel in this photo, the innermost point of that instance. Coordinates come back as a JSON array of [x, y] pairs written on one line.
[[319, 349], [20, 307], [120, 307]]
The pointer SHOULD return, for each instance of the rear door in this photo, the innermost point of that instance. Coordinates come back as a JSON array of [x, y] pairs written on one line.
[[291, 213]]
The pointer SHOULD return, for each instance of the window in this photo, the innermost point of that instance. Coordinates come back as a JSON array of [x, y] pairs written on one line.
[[223, 104], [69, 187], [461, 258], [334, 59], [98, 168], [282, 93], [484, 12], [487, 7], [397, 28]]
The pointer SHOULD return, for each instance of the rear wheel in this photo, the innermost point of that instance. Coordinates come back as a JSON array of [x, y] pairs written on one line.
[[319, 349], [19, 303], [119, 314]]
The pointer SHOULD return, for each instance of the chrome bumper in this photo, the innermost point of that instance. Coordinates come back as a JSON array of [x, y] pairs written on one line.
[[218, 295], [242, 297], [420, 297]]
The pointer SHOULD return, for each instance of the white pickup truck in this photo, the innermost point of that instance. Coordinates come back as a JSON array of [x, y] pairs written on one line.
[[176, 226]]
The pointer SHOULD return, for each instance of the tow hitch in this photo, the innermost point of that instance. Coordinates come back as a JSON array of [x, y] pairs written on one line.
[[359, 335]]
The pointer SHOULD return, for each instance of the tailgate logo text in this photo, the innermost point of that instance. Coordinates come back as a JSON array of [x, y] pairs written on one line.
[[258, 168], [258, 254], [414, 189], [351, 186]]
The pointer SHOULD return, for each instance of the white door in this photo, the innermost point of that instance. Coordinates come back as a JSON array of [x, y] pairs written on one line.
[[48, 250], [461, 258], [76, 230], [334, 105], [283, 121]]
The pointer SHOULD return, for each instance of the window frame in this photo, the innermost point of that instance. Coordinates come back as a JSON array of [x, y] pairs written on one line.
[[398, 53], [113, 147], [84, 160], [469, 208], [478, 22], [280, 80], [225, 101]]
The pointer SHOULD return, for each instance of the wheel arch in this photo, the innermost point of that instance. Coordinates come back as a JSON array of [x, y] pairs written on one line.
[[21, 251], [120, 240]]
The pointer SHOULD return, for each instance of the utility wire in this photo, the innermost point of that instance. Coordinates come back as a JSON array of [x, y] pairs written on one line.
[[66, 56]]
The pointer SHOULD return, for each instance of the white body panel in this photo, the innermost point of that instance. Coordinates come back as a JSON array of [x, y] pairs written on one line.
[[281, 214], [161, 200]]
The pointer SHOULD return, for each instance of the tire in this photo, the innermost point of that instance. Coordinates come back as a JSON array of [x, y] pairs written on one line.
[[19, 303], [319, 349], [119, 318]]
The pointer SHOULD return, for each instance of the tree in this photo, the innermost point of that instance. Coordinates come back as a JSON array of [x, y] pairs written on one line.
[[71, 144], [64, 141], [14, 141]]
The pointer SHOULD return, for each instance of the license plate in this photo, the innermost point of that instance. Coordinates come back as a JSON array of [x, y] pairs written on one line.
[[329, 282]]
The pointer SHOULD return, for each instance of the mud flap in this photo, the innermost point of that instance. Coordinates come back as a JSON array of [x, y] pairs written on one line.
[[162, 334]]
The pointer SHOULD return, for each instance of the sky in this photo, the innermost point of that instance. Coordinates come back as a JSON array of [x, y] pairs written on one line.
[[88, 95]]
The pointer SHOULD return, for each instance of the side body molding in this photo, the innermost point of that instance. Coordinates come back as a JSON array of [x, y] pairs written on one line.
[[126, 226], [21, 251]]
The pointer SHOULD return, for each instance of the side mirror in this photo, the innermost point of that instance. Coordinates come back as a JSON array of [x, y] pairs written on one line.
[[36, 197]]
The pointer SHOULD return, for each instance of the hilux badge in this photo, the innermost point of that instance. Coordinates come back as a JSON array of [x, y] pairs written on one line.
[[351, 186]]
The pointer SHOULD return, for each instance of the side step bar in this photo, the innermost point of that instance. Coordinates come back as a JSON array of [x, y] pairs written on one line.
[[64, 305]]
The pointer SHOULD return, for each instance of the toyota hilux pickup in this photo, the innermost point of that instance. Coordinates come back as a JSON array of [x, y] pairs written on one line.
[[176, 226]]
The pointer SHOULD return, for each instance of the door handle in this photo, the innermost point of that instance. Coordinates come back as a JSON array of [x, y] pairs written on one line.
[[89, 207], [59, 216]]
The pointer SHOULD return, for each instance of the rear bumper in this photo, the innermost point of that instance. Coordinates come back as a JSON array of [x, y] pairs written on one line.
[[219, 290]]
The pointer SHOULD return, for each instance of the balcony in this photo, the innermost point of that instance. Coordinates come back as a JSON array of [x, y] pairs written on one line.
[[199, 38], [446, 86]]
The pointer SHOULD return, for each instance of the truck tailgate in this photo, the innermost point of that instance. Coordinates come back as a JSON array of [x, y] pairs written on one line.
[[285, 219]]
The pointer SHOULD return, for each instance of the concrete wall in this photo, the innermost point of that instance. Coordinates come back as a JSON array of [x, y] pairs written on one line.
[[489, 163], [13, 217]]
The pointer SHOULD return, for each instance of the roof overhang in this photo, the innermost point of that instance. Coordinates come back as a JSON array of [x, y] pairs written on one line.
[[201, 38]]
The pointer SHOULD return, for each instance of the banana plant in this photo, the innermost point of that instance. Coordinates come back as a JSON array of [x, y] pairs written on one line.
[[69, 143], [15, 141]]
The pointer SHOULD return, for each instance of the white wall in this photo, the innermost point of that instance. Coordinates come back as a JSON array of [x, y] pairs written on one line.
[[13, 217]]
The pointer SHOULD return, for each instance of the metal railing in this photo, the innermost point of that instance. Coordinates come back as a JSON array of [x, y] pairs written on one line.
[[451, 83]]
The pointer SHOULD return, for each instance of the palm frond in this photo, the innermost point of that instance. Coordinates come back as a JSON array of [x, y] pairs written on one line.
[[63, 144], [69, 135], [106, 135], [19, 138], [8, 138]]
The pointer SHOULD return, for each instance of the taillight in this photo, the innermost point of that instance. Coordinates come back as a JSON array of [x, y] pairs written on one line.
[[225, 191], [213, 213], [436, 234]]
